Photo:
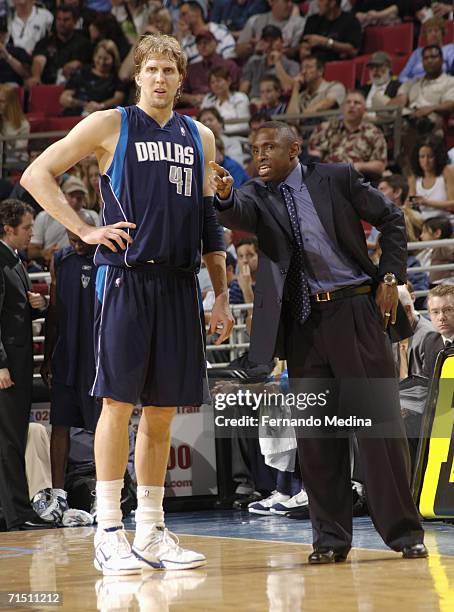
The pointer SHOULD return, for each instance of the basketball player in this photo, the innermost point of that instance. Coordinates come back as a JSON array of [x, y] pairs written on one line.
[[158, 209]]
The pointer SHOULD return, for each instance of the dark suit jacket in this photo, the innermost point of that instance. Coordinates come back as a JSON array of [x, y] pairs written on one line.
[[432, 345], [341, 198], [15, 316]]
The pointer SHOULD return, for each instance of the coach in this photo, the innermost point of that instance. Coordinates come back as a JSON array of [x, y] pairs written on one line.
[[320, 303]]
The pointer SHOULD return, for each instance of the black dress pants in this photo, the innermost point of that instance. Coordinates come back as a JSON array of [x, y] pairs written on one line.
[[344, 340], [15, 404]]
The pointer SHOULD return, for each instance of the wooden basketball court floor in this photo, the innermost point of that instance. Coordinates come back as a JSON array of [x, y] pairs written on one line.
[[258, 573]]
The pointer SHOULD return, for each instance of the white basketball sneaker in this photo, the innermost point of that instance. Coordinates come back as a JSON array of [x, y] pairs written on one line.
[[160, 550], [113, 555]]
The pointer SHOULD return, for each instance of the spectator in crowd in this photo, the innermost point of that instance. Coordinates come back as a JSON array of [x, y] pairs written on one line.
[[427, 100], [14, 61], [235, 169], [441, 311], [351, 139], [382, 85], [159, 21], [196, 85], [434, 32], [241, 289], [270, 101], [332, 34], [97, 87], [432, 181], [58, 55], [48, 234], [18, 306], [192, 21], [231, 105], [212, 118], [91, 181], [13, 123], [378, 12], [437, 228], [316, 95], [411, 356], [272, 62], [104, 26], [29, 24], [235, 13], [132, 15], [281, 16], [69, 368], [395, 188]]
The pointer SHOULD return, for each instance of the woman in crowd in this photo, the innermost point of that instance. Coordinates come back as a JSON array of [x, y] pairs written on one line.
[[432, 183], [437, 228], [13, 123], [232, 146], [91, 180], [104, 26], [95, 88], [231, 105]]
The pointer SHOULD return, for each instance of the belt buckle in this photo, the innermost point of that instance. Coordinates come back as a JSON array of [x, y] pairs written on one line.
[[327, 297]]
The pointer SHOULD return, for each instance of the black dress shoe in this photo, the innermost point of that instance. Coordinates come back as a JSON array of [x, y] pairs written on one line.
[[326, 555], [35, 522], [417, 551]]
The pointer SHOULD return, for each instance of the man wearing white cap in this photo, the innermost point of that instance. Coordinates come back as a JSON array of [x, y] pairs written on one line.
[[48, 234]]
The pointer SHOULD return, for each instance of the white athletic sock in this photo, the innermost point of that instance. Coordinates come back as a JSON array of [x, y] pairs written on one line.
[[149, 509], [108, 496]]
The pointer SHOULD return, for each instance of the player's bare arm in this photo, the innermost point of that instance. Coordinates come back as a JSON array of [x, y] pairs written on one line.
[[222, 320], [97, 134]]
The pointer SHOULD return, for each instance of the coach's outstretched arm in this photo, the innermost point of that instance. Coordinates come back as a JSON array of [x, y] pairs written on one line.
[[97, 134], [235, 209]]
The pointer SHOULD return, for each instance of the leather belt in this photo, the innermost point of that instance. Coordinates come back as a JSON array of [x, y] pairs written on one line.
[[340, 294]]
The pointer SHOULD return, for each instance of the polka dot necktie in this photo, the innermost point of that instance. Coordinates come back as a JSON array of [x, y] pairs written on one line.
[[296, 282]]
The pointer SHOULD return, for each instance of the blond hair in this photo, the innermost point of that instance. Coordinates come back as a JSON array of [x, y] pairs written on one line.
[[13, 113], [161, 15], [441, 291], [159, 44], [111, 48]]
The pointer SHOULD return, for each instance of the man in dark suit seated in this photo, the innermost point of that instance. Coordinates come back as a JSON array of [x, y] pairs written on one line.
[[18, 306], [321, 304], [441, 310]]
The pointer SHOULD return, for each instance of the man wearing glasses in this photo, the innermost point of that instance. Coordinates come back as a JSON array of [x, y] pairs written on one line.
[[441, 310]]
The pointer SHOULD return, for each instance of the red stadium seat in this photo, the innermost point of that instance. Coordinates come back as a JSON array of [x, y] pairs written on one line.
[[341, 71], [449, 35], [45, 99], [396, 39]]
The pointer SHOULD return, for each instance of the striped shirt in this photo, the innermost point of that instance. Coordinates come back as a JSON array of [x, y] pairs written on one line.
[[225, 48]]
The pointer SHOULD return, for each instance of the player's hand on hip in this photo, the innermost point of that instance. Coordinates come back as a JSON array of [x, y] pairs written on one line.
[[5, 379], [387, 298], [220, 180], [222, 320], [111, 236]]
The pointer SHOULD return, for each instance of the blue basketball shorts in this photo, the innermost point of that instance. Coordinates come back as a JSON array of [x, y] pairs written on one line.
[[149, 339]]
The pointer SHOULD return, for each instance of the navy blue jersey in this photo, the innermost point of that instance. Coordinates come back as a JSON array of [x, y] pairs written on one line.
[[155, 181], [73, 361]]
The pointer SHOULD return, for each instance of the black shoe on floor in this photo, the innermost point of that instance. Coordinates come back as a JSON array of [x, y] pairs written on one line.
[[326, 555], [35, 522], [417, 551]]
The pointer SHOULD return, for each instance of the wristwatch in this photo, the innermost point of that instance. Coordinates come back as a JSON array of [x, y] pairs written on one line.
[[390, 279]]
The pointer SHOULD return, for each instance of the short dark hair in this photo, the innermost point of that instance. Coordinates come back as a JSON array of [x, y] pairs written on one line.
[[437, 47], [283, 129], [230, 260], [318, 61], [397, 181], [441, 223], [440, 154], [214, 111], [65, 8], [248, 240], [271, 78], [11, 213], [220, 71], [261, 116]]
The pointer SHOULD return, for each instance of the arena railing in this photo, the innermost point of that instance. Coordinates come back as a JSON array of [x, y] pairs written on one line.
[[239, 340]]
